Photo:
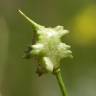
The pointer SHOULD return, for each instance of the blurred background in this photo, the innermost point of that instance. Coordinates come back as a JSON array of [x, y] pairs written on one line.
[[18, 76]]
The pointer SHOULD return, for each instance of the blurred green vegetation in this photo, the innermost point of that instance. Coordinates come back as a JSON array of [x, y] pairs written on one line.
[[17, 75]]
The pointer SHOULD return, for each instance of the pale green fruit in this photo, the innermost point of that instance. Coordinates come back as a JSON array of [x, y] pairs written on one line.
[[49, 47]]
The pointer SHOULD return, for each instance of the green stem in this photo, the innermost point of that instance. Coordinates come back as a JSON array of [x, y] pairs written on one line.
[[60, 82]]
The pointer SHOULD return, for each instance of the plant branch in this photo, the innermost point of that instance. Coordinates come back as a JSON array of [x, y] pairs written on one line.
[[60, 82], [49, 42]]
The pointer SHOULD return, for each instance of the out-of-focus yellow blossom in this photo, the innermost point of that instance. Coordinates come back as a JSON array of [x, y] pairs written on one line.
[[84, 26]]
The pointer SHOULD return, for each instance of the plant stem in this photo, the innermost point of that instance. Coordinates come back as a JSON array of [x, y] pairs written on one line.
[[60, 82]]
